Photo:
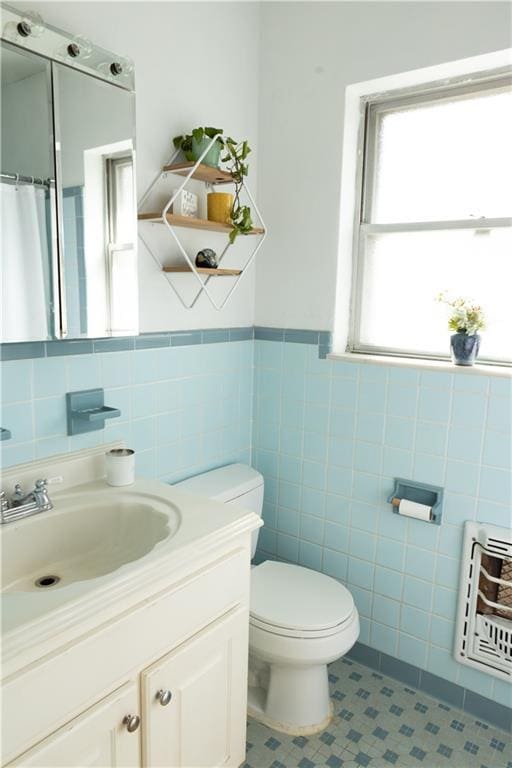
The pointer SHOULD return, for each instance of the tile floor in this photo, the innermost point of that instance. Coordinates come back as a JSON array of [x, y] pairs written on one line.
[[383, 724]]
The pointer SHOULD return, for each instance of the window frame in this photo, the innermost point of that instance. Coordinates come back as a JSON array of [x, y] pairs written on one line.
[[113, 246], [371, 106]]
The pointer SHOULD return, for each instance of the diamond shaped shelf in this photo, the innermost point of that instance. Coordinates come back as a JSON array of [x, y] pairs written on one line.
[[210, 176]]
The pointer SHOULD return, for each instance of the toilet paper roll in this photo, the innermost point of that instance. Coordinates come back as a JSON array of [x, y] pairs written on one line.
[[413, 509]]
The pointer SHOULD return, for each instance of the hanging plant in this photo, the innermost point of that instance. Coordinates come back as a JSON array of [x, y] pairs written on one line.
[[235, 157]]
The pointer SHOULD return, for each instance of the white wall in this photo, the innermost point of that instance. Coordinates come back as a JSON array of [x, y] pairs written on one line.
[[198, 62], [310, 52], [25, 148], [195, 63]]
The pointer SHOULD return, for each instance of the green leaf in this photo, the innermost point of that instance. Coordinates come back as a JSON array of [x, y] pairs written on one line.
[[211, 132], [177, 141], [198, 134]]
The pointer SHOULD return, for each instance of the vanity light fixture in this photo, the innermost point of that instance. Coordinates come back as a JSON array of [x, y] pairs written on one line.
[[23, 28]]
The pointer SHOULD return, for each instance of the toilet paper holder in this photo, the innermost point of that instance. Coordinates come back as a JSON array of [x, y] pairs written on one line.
[[421, 493]]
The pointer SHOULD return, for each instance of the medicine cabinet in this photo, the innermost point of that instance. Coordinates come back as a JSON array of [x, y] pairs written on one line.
[[67, 186]]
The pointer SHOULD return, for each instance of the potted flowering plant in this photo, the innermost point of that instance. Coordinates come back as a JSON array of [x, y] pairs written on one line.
[[466, 319]]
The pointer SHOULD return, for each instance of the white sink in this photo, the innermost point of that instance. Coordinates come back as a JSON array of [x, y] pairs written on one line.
[[108, 547], [87, 535]]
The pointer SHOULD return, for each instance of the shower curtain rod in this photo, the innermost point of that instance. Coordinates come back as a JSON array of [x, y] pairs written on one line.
[[20, 179]]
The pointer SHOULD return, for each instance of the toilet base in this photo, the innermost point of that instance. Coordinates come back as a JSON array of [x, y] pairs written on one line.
[[295, 699], [256, 713]]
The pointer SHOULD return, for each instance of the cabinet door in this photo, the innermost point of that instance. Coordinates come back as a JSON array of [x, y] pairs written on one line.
[[98, 737], [203, 725]]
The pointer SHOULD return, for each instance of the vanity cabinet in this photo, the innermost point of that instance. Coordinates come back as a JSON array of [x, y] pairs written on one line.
[[187, 709], [97, 737], [201, 724], [177, 661]]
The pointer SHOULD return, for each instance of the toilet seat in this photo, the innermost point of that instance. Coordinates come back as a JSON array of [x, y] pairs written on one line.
[[306, 634], [292, 601]]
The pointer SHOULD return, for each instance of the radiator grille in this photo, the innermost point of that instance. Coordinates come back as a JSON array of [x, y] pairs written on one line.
[[483, 637]]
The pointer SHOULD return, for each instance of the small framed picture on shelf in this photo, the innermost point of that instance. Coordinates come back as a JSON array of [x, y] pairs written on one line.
[[186, 204]]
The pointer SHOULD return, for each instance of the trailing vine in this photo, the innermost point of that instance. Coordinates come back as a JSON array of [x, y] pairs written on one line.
[[235, 157]]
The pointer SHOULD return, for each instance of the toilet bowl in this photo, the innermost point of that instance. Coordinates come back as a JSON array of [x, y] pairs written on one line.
[[300, 621]]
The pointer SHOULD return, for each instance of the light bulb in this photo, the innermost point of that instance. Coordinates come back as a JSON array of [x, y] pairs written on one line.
[[31, 25], [79, 47]]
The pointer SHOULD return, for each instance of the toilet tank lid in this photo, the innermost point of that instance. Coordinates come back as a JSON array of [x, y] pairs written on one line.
[[225, 483]]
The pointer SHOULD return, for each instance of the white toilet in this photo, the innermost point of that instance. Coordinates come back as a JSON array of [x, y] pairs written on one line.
[[300, 621]]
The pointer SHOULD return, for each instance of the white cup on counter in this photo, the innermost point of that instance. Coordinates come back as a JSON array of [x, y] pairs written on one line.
[[120, 466]]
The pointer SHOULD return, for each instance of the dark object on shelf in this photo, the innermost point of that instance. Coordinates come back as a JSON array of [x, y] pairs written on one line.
[[207, 258]]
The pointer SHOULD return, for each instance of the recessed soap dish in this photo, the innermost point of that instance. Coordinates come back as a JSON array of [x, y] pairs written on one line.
[[87, 412]]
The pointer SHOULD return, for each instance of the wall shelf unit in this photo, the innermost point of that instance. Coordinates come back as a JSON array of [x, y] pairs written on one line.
[[211, 177]]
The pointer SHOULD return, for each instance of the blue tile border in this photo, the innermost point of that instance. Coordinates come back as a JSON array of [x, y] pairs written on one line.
[[455, 695], [119, 344], [22, 351], [152, 341], [268, 334], [34, 349]]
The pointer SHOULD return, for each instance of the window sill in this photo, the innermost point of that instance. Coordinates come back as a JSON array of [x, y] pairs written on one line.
[[445, 366]]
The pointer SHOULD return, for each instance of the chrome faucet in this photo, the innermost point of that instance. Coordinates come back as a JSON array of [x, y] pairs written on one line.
[[24, 504]]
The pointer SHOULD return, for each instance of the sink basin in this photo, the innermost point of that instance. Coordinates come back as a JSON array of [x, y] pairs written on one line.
[[87, 535]]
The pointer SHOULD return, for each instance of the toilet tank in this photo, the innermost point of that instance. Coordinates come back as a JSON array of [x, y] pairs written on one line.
[[233, 484]]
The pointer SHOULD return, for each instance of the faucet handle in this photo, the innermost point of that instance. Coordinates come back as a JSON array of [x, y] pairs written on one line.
[[18, 492], [4, 501], [41, 484]]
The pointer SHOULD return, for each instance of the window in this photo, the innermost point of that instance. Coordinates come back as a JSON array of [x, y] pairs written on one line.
[[435, 215], [122, 266]]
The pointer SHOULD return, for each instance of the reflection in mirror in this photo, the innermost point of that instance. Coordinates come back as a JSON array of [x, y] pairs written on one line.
[[27, 191], [96, 130]]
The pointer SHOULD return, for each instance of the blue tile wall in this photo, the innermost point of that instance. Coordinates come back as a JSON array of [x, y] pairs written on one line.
[[184, 409], [74, 260], [330, 436]]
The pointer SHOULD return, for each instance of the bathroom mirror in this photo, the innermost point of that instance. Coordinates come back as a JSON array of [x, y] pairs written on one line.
[[97, 199], [27, 190], [69, 259]]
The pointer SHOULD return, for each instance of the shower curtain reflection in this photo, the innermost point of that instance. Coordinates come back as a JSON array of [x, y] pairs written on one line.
[[24, 263]]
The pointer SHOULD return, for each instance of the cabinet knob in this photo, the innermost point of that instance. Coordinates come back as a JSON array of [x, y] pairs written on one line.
[[132, 722], [163, 697]]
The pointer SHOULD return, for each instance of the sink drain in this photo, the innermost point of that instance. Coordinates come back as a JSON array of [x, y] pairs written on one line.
[[47, 581]]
